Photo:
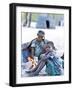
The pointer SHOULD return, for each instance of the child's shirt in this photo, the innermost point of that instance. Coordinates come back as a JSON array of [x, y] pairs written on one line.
[[54, 63]]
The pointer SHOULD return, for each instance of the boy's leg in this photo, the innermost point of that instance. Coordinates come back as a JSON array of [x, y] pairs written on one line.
[[34, 69], [40, 67]]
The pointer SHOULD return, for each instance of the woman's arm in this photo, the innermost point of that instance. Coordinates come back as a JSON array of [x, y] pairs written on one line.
[[33, 48], [32, 52]]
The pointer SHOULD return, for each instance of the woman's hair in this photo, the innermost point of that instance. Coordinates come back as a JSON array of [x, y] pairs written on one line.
[[41, 33]]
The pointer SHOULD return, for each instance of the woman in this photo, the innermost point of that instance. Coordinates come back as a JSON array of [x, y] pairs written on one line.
[[34, 48], [37, 44]]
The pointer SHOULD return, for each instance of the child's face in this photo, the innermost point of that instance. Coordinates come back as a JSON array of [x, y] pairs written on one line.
[[49, 48]]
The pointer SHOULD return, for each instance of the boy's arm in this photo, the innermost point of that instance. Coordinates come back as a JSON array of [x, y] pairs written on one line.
[[45, 57], [48, 56]]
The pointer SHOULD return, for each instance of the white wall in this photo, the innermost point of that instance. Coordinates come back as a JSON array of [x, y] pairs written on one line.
[[4, 44]]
